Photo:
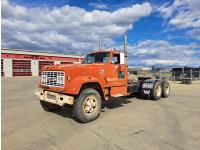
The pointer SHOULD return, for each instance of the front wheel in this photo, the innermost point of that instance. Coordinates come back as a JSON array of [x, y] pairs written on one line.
[[87, 105]]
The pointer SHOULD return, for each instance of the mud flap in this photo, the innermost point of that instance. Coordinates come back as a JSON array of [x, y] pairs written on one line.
[[147, 87]]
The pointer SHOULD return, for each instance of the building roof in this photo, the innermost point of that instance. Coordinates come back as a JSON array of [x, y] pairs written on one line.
[[185, 67], [139, 68], [29, 52]]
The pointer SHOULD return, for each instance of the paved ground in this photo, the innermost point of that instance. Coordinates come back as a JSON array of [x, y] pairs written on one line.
[[168, 124]]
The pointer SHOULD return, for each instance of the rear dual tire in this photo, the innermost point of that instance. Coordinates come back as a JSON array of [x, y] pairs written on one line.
[[156, 91], [160, 90], [165, 89]]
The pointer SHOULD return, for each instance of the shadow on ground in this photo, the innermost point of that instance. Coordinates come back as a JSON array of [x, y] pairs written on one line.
[[66, 112], [113, 103]]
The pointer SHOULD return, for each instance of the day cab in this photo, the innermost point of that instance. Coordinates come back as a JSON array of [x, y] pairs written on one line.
[[102, 75]]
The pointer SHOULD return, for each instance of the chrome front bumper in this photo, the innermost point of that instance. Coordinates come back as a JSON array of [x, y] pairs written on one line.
[[53, 97]]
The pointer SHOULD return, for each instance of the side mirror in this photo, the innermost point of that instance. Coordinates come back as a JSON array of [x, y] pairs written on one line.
[[122, 60]]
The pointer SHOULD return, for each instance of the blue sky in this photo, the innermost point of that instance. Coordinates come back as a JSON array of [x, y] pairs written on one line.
[[161, 33]]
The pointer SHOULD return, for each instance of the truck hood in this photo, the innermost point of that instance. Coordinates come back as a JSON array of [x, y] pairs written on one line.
[[67, 67], [75, 73], [75, 70]]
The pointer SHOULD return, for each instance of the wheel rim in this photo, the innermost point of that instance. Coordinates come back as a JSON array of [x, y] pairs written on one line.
[[167, 89], [90, 105], [158, 91]]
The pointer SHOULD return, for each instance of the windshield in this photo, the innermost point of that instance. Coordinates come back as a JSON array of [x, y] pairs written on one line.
[[99, 57]]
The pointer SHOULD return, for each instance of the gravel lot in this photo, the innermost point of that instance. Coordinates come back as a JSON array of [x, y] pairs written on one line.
[[130, 123]]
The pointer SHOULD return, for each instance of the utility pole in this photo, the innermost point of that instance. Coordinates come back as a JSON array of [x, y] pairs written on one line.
[[183, 72]]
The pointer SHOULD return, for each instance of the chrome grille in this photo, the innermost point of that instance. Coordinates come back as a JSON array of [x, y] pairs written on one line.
[[53, 78]]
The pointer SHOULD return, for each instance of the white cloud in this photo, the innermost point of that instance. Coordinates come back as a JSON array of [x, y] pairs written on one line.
[[194, 34], [182, 14], [98, 5], [160, 52], [165, 10], [65, 28]]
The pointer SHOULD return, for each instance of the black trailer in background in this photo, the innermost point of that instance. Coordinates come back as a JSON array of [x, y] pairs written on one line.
[[185, 72]]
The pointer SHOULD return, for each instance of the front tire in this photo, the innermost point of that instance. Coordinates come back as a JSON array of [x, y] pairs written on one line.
[[87, 105], [156, 91], [49, 106]]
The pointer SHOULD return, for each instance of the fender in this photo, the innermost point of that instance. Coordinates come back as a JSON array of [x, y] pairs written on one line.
[[148, 84], [76, 83]]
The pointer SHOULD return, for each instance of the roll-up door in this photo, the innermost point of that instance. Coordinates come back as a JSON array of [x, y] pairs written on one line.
[[44, 63], [21, 67], [2, 71]]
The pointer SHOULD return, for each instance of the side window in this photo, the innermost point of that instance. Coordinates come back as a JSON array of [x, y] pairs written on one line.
[[115, 59], [90, 59]]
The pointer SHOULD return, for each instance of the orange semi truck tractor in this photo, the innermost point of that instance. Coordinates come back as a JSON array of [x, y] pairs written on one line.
[[102, 75]]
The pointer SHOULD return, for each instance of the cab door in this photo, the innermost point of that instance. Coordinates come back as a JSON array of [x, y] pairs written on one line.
[[117, 76]]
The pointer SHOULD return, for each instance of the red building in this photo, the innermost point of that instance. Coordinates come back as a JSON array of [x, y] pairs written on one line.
[[16, 62]]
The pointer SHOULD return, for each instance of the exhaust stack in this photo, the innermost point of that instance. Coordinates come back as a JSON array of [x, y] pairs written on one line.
[[125, 49], [100, 45]]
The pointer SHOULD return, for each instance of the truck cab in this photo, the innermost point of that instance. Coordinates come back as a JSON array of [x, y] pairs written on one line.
[[113, 74]]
